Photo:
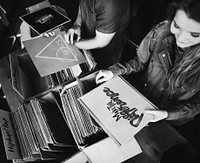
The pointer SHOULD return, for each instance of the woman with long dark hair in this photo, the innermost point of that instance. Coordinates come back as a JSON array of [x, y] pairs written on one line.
[[169, 57]]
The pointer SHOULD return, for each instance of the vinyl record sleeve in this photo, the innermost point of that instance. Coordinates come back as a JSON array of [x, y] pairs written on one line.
[[118, 108], [45, 20], [52, 54]]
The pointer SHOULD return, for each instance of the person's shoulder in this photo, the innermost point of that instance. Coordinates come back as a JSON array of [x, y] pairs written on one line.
[[162, 25], [161, 28]]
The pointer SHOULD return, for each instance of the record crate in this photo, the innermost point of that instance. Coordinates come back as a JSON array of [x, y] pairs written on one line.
[[50, 126]]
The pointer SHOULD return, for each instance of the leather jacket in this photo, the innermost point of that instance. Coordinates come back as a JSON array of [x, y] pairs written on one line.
[[156, 56]]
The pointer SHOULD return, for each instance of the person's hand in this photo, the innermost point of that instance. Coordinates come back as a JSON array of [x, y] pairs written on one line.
[[70, 34], [103, 75], [158, 114], [49, 34]]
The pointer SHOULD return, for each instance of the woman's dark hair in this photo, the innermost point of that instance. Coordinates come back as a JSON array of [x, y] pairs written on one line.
[[188, 68], [191, 8]]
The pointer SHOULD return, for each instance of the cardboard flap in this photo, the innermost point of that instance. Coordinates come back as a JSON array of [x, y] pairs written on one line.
[[20, 82], [8, 135], [107, 151]]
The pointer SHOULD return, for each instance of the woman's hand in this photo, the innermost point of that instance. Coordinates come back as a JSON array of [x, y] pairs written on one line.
[[158, 114], [69, 35], [103, 75]]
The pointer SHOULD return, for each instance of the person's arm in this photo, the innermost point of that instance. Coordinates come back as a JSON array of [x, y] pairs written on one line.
[[185, 109], [99, 41], [139, 62], [75, 29], [134, 65], [111, 16]]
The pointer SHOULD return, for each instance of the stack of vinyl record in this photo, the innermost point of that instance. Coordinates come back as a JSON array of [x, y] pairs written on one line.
[[42, 132], [60, 77], [78, 119], [91, 63], [68, 74]]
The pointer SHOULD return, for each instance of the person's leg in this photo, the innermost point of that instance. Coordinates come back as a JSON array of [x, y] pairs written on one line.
[[141, 158], [191, 131], [181, 154], [156, 138]]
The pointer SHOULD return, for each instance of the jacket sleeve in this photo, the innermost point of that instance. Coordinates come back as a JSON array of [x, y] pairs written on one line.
[[186, 109], [139, 62]]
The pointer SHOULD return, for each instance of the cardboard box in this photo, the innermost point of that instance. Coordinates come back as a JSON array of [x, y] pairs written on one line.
[[26, 80], [97, 148]]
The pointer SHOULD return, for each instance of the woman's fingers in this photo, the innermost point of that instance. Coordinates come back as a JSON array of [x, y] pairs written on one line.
[[157, 114]]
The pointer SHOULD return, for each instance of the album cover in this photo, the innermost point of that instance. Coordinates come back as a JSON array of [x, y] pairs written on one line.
[[118, 108], [52, 54], [45, 20]]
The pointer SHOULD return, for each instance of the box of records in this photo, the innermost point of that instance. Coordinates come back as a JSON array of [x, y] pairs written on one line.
[[49, 126], [95, 142], [37, 130], [27, 82], [56, 126]]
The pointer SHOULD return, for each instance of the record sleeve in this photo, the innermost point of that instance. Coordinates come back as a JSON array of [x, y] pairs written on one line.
[[44, 20], [52, 54], [118, 108]]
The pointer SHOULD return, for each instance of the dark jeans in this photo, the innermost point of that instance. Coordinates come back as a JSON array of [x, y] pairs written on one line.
[[155, 140], [191, 131]]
